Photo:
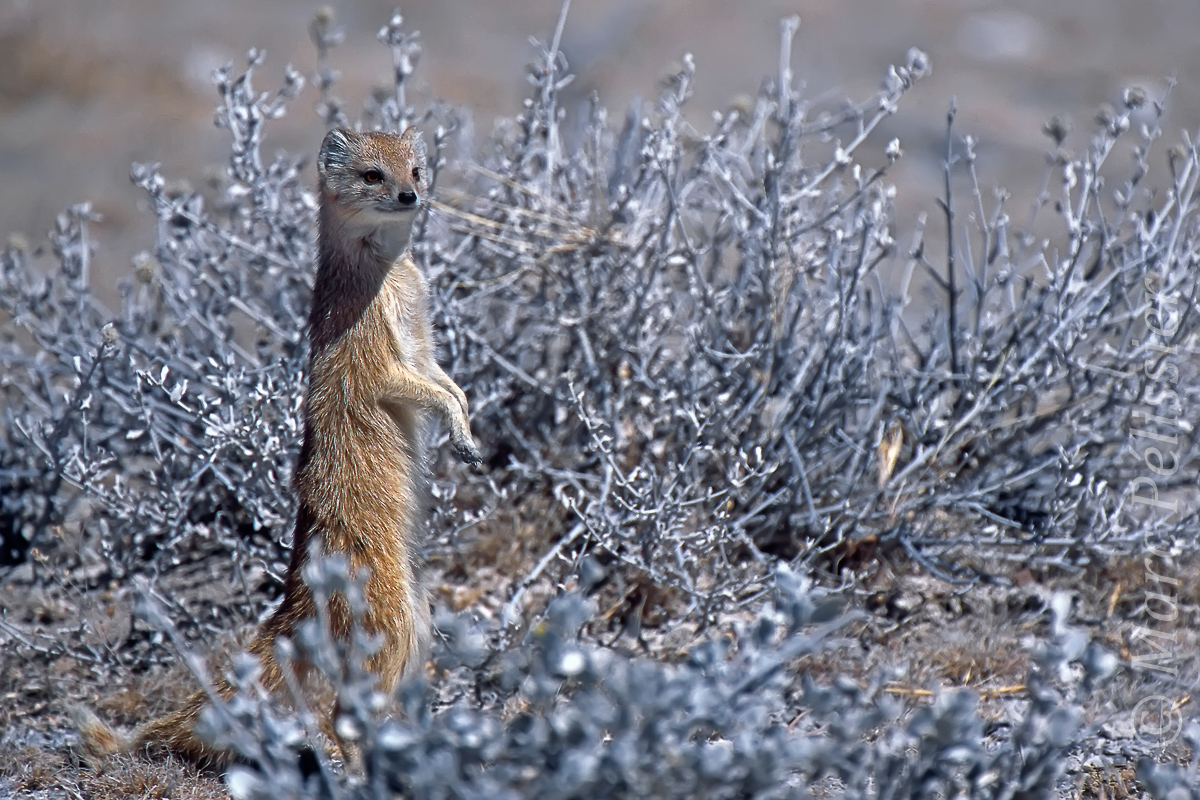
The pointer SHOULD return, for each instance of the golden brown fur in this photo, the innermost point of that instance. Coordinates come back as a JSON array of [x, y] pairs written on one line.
[[372, 382]]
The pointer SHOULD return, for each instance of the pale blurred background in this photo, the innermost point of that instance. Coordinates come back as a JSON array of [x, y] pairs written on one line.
[[89, 86]]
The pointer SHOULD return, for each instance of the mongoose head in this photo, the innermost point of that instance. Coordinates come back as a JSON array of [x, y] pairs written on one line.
[[373, 184]]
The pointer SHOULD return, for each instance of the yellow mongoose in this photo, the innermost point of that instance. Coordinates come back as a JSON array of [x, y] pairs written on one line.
[[372, 381]]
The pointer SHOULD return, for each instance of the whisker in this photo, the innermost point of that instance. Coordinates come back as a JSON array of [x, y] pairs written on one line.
[[566, 241], [527, 212], [469, 216], [487, 173], [520, 245]]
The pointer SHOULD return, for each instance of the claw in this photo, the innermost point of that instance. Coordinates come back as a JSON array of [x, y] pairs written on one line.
[[468, 452]]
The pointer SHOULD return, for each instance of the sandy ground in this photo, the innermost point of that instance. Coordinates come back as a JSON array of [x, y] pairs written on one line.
[[89, 86], [928, 633]]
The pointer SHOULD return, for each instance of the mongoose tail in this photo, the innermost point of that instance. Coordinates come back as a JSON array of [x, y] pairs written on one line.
[[170, 734], [99, 740]]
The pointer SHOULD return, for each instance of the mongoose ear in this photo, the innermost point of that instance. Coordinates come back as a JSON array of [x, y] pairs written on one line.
[[335, 153], [412, 137]]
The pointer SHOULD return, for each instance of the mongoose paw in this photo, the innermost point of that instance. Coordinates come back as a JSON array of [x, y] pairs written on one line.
[[466, 450]]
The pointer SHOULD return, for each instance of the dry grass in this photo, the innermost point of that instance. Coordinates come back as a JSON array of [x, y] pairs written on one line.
[[1103, 783], [37, 773]]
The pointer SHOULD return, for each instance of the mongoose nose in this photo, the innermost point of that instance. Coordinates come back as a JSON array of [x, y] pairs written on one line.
[[407, 198]]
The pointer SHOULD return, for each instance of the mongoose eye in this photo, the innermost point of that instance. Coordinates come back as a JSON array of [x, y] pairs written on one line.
[[416, 173], [373, 176]]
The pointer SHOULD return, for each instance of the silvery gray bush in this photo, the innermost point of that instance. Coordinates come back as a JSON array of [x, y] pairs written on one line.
[[709, 350], [592, 723]]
